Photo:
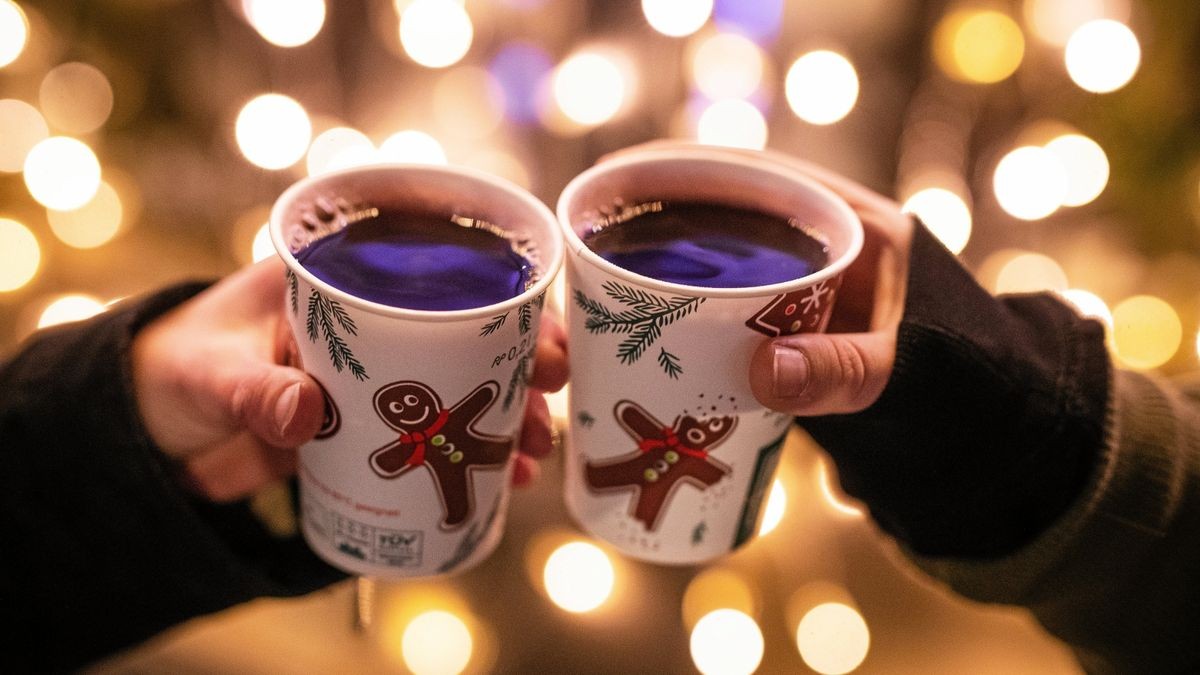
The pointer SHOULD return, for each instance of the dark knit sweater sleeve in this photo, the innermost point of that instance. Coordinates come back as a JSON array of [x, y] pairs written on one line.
[[102, 546], [990, 424]]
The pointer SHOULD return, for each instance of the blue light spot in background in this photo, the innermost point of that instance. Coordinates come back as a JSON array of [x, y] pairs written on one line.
[[519, 68], [758, 20]]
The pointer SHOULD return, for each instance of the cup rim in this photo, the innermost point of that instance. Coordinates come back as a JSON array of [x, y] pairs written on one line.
[[716, 157], [552, 259]]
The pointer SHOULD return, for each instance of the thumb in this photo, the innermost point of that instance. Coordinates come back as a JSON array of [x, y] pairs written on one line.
[[822, 374], [282, 406]]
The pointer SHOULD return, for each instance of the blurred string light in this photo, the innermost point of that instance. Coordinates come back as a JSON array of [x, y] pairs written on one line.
[[436, 33], [981, 46], [776, 507], [578, 576], [412, 146], [1102, 56], [726, 642], [758, 20], [833, 495], [944, 213], [677, 18], [733, 123], [1030, 183], [20, 255], [1055, 20], [468, 102], [286, 23], [14, 32], [273, 131], [68, 308], [76, 97], [62, 173], [91, 225], [519, 68], [21, 128], [727, 65], [716, 588], [589, 88], [1086, 167], [833, 638], [1030, 273], [436, 643], [821, 87], [339, 148], [1089, 305], [1146, 332]]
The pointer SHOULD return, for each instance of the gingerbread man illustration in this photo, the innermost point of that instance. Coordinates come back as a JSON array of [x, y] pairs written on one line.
[[666, 457], [802, 311], [443, 440]]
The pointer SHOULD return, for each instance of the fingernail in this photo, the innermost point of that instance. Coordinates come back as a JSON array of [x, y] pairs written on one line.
[[285, 407], [790, 371]]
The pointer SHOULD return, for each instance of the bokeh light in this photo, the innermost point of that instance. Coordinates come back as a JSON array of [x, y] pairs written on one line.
[[437, 643], [273, 131], [1030, 273], [579, 577], [286, 23], [734, 123], [758, 20], [1102, 56], [1146, 332], [520, 68], [91, 225], [944, 213], [62, 173], [68, 308], [832, 492], [1030, 183], [821, 87], [20, 255], [716, 588], [833, 638], [262, 248], [981, 46], [339, 148], [1090, 305], [1086, 166], [412, 146], [436, 33], [589, 88], [776, 507], [727, 642], [14, 31], [468, 102], [677, 18], [21, 128], [727, 65], [500, 163], [76, 97], [1055, 20]]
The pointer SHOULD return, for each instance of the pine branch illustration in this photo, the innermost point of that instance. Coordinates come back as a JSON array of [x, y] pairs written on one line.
[[540, 300], [310, 323], [342, 316], [517, 381], [640, 338], [681, 307], [493, 325], [592, 307], [669, 363], [293, 291], [525, 317], [635, 297]]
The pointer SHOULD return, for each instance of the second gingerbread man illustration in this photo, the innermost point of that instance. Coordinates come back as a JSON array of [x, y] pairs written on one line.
[[666, 458], [443, 440]]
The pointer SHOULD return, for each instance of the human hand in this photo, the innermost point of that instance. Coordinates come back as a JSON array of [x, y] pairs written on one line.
[[844, 370], [215, 392]]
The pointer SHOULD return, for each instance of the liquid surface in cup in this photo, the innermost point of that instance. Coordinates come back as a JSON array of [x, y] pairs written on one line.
[[708, 244], [421, 261]]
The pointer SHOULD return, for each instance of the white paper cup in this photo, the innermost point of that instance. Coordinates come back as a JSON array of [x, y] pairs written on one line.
[[669, 455], [410, 474]]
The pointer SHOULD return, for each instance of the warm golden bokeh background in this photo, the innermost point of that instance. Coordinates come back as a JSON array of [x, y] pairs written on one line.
[[1053, 144]]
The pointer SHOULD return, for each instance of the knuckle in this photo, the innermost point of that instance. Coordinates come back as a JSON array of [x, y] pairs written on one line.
[[852, 362]]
